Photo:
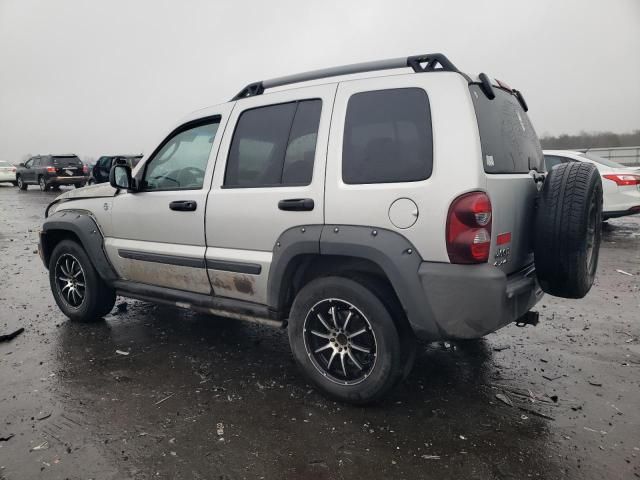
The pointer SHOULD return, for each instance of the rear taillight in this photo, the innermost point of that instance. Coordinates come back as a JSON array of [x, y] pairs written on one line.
[[85, 169], [51, 169], [469, 228], [624, 179], [13, 169]]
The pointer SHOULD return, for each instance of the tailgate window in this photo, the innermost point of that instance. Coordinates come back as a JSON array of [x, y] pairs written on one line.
[[507, 137], [64, 162]]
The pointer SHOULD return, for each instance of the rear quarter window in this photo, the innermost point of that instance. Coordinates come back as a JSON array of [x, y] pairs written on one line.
[[387, 137], [508, 140]]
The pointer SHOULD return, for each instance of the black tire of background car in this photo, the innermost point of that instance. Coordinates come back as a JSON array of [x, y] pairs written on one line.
[[42, 183], [568, 218], [99, 297], [15, 184], [21, 184], [390, 361]]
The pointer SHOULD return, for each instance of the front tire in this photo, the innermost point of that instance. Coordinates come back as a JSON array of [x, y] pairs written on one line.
[[76, 286], [21, 184], [345, 340]]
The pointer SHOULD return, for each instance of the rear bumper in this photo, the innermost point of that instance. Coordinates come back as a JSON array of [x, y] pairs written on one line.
[[67, 180], [7, 177], [470, 301]]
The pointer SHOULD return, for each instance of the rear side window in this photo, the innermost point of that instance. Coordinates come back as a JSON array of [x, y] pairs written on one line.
[[508, 139], [553, 160], [387, 137], [274, 146]]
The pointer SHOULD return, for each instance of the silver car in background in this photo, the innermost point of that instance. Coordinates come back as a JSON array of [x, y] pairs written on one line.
[[7, 173]]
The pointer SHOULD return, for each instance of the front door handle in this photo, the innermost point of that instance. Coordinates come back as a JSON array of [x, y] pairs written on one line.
[[296, 204], [183, 205]]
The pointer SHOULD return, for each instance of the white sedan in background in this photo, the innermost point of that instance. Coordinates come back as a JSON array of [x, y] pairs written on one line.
[[620, 184], [7, 173]]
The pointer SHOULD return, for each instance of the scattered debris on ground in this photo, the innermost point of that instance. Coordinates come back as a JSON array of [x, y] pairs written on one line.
[[11, 336]]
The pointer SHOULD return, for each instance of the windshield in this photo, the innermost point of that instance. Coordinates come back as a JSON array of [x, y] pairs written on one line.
[[602, 161]]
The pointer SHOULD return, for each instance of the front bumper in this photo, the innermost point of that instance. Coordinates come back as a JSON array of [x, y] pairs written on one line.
[[470, 301], [67, 180]]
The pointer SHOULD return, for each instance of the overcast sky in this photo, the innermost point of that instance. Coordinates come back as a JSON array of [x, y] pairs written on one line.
[[100, 77]]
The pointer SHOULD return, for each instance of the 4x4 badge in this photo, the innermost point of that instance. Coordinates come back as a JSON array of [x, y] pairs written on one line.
[[105, 206]]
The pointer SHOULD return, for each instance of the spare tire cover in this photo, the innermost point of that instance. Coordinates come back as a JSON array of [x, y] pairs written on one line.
[[567, 229]]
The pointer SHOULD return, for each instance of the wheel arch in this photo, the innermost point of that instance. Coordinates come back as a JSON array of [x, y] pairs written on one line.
[[352, 251], [80, 227]]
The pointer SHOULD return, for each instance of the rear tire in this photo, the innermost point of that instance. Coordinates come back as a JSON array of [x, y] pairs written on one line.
[[76, 285], [15, 184], [568, 230], [358, 357], [21, 184], [42, 183]]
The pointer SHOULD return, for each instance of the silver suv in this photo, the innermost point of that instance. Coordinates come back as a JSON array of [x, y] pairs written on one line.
[[359, 213]]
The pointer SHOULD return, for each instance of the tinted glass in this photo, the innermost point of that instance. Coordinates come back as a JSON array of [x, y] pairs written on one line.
[[65, 161], [4, 164], [181, 162], [508, 140], [553, 160], [301, 150], [274, 145], [387, 137]]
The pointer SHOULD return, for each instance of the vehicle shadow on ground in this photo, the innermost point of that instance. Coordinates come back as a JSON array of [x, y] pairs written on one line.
[[185, 374]]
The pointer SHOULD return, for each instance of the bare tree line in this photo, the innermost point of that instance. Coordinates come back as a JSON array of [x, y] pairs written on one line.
[[591, 140]]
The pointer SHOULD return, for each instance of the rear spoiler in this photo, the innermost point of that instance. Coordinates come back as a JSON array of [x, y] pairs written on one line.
[[486, 85]]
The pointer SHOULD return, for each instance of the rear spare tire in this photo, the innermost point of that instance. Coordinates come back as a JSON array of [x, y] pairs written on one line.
[[568, 228]]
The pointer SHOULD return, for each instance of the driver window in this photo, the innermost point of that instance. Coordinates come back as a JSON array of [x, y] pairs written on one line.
[[181, 162]]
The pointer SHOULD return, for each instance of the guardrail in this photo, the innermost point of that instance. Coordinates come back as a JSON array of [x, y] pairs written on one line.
[[629, 156]]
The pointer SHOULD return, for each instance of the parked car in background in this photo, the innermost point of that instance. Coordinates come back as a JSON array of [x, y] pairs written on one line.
[[7, 173], [620, 184], [100, 171], [51, 171]]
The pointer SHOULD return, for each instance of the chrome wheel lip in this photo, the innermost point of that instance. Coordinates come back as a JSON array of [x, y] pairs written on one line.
[[322, 370], [70, 283]]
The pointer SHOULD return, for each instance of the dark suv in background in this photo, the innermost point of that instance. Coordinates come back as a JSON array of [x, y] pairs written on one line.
[[51, 171], [100, 171]]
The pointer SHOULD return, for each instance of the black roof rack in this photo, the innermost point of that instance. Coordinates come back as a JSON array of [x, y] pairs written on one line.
[[429, 62]]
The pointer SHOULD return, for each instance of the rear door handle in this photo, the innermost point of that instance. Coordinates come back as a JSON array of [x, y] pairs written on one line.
[[296, 204], [183, 205]]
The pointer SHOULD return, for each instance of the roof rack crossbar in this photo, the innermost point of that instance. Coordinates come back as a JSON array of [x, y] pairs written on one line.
[[419, 63]]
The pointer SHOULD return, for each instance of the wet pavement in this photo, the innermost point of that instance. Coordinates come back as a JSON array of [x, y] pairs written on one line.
[[202, 397]]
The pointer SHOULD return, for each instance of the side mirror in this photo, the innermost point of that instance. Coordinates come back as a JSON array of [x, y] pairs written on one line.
[[120, 177]]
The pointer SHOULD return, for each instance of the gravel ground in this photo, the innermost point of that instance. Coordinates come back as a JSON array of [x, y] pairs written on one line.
[[202, 397]]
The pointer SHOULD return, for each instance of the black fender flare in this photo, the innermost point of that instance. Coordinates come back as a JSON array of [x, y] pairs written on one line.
[[392, 252], [84, 227]]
